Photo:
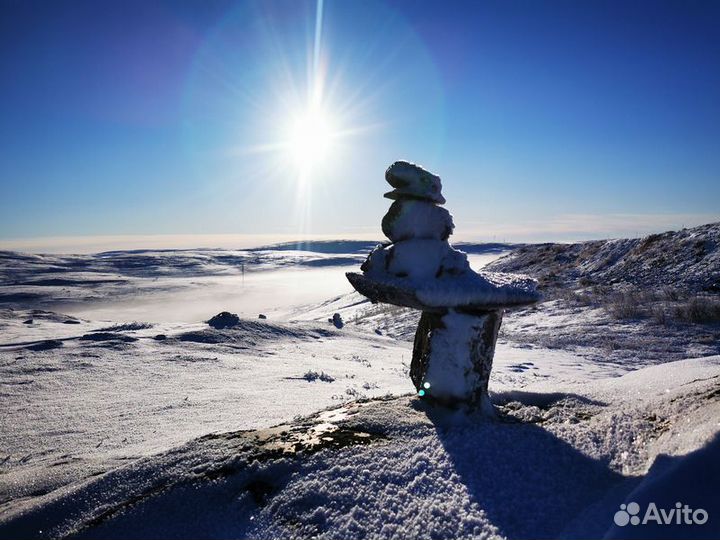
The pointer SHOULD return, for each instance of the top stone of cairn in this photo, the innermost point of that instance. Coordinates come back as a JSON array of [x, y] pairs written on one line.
[[413, 182]]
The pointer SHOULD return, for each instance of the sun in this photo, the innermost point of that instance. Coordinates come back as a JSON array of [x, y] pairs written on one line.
[[310, 138]]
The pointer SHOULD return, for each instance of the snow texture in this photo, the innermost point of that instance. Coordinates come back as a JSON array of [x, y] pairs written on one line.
[[687, 259], [451, 372], [557, 463], [440, 276], [421, 260], [125, 434]]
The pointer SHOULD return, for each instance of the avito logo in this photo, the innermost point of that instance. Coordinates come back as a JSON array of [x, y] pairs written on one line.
[[680, 515]]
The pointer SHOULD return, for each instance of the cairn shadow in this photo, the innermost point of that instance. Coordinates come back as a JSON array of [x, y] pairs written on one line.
[[691, 479], [529, 482]]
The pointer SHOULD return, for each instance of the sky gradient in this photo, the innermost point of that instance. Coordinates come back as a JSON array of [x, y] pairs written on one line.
[[546, 120]]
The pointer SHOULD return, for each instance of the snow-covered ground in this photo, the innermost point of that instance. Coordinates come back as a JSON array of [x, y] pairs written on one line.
[[122, 414]]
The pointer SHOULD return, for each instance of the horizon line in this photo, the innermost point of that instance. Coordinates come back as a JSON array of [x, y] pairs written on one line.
[[562, 229]]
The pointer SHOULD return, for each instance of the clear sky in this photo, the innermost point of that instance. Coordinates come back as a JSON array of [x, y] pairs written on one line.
[[545, 119]]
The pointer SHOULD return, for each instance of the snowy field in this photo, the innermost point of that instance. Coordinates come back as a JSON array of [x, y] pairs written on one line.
[[123, 414]]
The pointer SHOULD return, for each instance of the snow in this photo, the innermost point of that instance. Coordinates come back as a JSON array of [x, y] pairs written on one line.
[[482, 288], [124, 435], [409, 219], [450, 372], [688, 259], [174, 286], [416, 259], [426, 475], [126, 399], [412, 180], [438, 275]]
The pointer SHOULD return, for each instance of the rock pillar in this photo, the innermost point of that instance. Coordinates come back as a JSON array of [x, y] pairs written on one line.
[[453, 354]]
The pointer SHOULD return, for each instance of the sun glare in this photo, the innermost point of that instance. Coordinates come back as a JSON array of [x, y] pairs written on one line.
[[310, 138]]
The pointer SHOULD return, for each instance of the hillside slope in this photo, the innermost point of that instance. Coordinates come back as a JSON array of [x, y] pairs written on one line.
[[688, 259]]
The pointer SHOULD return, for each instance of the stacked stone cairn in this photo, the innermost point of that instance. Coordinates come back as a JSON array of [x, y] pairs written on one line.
[[461, 309]]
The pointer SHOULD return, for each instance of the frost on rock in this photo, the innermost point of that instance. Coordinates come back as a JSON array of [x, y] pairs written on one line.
[[413, 182], [417, 219], [462, 309], [457, 354]]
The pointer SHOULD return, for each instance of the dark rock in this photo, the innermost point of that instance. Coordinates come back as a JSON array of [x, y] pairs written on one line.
[[46, 345], [29, 321], [224, 320], [205, 336], [337, 320], [261, 316], [107, 336], [160, 337]]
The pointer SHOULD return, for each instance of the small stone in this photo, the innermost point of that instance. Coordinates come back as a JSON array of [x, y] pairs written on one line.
[[408, 219], [337, 320], [160, 337], [224, 320], [413, 182], [29, 321], [261, 316]]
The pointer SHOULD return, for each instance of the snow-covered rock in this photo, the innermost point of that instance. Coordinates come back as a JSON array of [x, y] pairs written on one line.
[[459, 357], [408, 219], [417, 261], [224, 319], [484, 290], [412, 181], [421, 270]]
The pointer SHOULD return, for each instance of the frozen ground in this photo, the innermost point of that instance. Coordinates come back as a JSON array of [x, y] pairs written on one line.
[[104, 423]]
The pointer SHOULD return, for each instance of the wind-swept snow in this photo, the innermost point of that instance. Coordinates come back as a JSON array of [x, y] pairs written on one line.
[[116, 425], [393, 468]]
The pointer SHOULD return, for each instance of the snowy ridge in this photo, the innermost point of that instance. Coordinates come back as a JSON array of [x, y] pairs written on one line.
[[688, 258]]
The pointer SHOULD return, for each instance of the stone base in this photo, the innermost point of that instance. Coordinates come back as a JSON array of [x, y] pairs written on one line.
[[453, 354]]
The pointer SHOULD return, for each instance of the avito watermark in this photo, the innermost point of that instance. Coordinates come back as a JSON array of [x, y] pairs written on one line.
[[681, 514]]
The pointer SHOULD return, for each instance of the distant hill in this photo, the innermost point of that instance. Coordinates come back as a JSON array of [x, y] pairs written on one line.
[[322, 246], [688, 259], [365, 246]]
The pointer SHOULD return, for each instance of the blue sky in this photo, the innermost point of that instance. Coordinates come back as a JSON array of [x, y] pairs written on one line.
[[546, 120]]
